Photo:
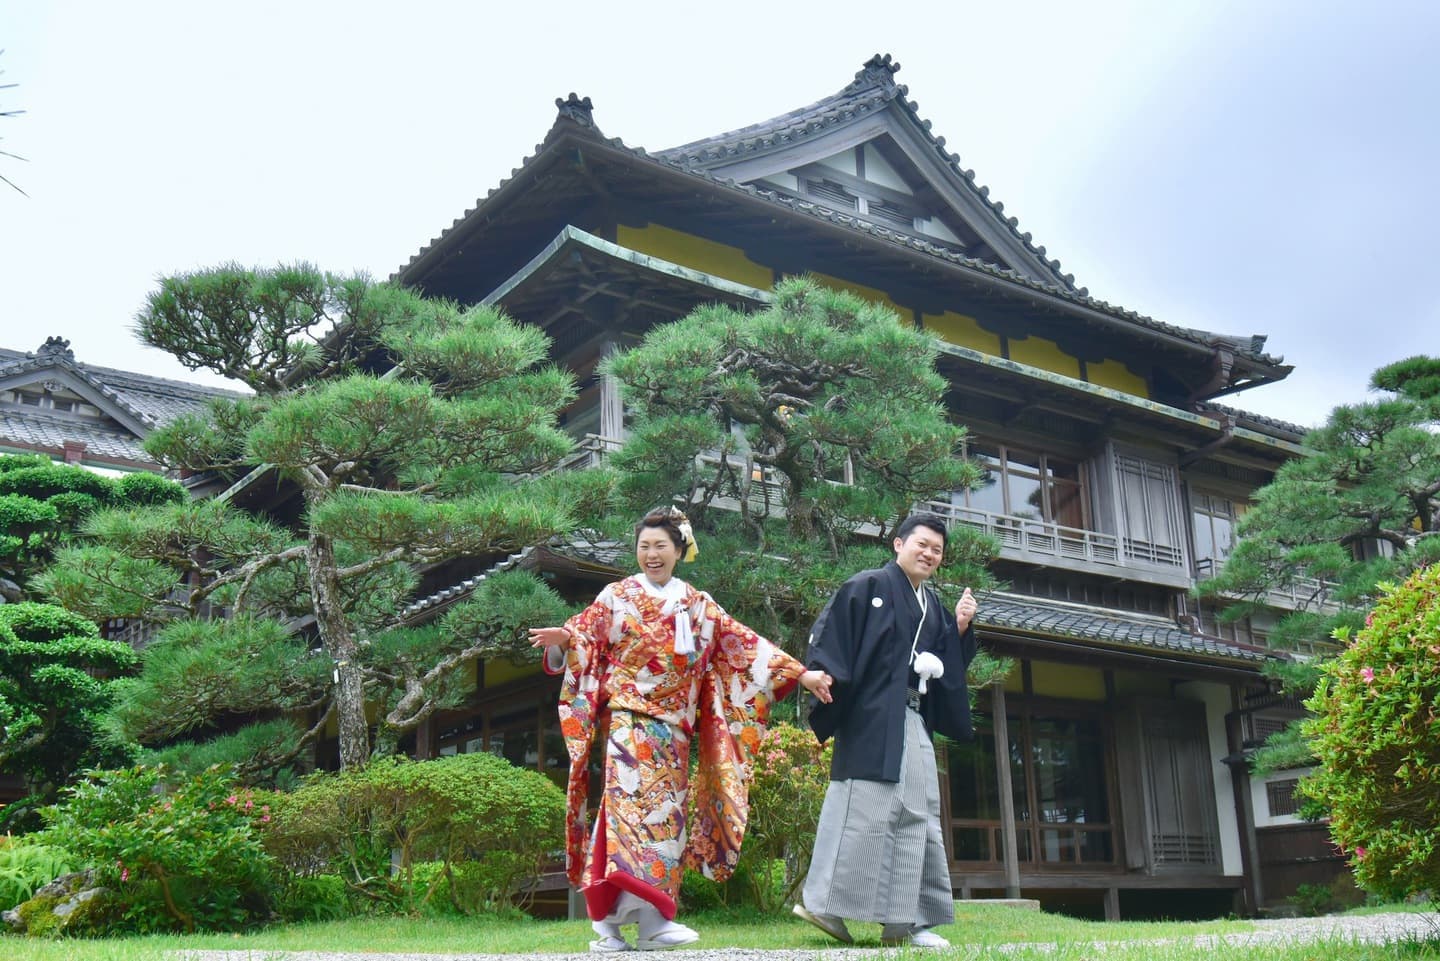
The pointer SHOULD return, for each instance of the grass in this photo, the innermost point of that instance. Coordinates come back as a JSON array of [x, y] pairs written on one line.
[[980, 932]]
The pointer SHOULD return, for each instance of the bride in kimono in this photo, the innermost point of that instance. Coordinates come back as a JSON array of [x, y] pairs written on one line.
[[652, 665]]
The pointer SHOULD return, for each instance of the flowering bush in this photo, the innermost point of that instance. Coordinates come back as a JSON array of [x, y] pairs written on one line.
[[174, 853], [790, 772], [1376, 735]]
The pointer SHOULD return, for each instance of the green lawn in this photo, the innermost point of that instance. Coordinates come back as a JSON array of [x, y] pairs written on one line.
[[979, 932]]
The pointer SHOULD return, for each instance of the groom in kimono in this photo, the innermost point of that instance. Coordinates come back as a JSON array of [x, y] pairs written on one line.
[[898, 659]]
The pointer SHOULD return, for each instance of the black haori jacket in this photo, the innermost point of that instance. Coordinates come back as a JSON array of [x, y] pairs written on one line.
[[862, 640]]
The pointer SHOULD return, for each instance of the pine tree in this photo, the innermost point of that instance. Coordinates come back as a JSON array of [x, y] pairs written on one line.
[[1360, 510], [796, 438], [444, 455]]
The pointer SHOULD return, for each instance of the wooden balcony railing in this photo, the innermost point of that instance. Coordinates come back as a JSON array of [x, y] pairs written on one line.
[[1302, 593], [1020, 538], [1027, 539]]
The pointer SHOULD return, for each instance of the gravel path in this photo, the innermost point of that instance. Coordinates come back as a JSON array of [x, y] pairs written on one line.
[[1368, 929]]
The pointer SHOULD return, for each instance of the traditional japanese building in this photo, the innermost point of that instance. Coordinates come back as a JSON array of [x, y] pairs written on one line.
[[1108, 775], [79, 413]]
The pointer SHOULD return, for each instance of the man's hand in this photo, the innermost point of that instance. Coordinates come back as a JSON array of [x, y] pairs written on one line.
[[818, 683], [964, 611]]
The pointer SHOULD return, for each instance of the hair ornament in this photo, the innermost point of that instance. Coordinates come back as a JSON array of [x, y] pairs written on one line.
[[687, 534]]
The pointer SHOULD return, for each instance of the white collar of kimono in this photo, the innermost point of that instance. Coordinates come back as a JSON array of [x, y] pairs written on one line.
[[672, 593], [915, 642]]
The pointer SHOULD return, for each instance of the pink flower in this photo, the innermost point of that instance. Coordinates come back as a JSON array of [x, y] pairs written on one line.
[[1359, 852], [231, 799], [124, 874], [1367, 674]]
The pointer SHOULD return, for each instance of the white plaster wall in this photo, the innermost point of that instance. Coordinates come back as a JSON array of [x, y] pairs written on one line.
[[879, 171], [1216, 698], [1261, 804], [843, 162], [935, 227], [786, 181]]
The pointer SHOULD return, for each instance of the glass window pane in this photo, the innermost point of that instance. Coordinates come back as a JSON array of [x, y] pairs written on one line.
[[989, 495], [1066, 504], [1204, 538], [971, 844], [1224, 536], [974, 789], [1062, 470], [1057, 846], [1095, 847], [1022, 462], [1069, 771], [1025, 497]]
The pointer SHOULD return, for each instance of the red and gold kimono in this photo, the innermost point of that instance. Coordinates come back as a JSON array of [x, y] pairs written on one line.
[[628, 680]]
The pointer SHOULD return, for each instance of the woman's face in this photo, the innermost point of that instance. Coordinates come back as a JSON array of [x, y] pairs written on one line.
[[656, 554]]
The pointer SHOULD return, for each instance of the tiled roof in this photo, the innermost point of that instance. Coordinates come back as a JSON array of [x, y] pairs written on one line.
[[49, 430], [575, 117], [1273, 423], [873, 88], [1104, 626], [463, 588], [148, 401]]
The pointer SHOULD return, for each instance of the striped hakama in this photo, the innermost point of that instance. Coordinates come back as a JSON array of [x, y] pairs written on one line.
[[878, 853]]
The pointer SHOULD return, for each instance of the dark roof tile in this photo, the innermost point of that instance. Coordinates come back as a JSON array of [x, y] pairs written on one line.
[[1098, 624]]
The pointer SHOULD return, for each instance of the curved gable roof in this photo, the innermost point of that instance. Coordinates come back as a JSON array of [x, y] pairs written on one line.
[[870, 107]]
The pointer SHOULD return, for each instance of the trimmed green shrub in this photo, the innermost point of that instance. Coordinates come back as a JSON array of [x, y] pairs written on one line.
[[176, 853], [488, 824], [53, 694], [1376, 736], [146, 489]]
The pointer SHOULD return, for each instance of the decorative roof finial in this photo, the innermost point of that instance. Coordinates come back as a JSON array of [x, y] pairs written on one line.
[[575, 109], [56, 347], [879, 71]]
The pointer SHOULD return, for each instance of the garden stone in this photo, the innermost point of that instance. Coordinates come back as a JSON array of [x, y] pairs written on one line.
[[51, 908]]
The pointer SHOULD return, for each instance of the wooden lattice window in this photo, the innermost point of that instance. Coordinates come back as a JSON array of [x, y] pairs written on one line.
[[1282, 798]]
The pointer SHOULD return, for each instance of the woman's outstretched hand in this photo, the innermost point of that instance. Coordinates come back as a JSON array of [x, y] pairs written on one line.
[[818, 683], [548, 637]]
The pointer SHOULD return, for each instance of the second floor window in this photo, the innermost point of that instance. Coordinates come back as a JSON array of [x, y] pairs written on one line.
[[1214, 518], [1028, 485]]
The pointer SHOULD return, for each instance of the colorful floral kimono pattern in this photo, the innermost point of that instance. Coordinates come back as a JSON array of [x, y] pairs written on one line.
[[623, 676]]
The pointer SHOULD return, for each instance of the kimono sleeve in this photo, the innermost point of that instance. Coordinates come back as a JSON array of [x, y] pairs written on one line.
[[582, 691], [834, 646], [946, 708]]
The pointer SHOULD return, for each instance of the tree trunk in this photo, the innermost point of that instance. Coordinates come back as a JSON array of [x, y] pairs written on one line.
[[339, 643]]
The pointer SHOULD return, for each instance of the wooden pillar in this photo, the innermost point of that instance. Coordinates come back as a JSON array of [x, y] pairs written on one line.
[[1007, 792], [1253, 894]]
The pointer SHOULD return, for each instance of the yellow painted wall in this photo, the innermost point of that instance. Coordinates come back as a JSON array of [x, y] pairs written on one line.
[[1015, 680], [1115, 375], [1067, 681], [962, 331], [1045, 354], [868, 293], [695, 252]]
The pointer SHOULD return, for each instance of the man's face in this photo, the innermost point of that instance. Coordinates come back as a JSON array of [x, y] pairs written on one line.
[[920, 553]]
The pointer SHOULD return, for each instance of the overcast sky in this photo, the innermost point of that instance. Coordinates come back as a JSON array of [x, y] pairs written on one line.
[[1266, 166]]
